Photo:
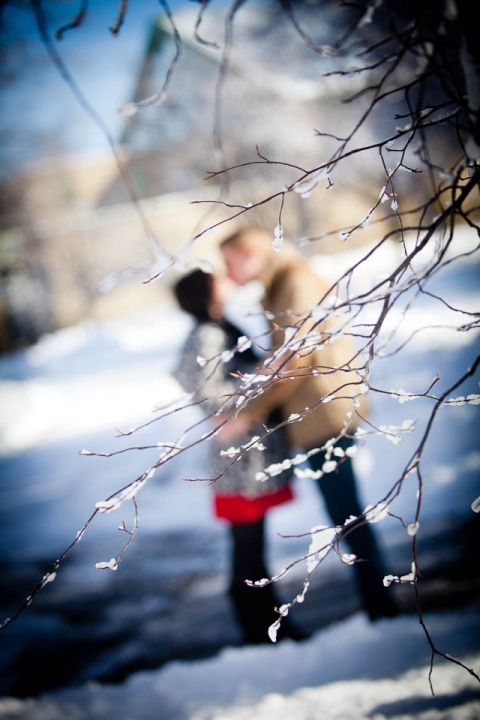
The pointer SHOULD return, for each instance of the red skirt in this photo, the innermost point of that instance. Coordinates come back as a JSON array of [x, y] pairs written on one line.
[[238, 509]]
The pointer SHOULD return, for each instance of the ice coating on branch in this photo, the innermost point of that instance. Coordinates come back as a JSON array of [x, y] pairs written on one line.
[[301, 595], [472, 399], [48, 578], [243, 343], [249, 379], [409, 578], [258, 583], [167, 450], [403, 395], [289, 333], [201, 361], [413, 528], [230, 452], [253, 444], [322, 539], [273, 469], [273, 630], [390, 431], [308, 473], [388, 579], [299, 458], [376, 513], [106, 506], [305, 187], [391, 436], [110, 565], [329, 466], [277, 243]]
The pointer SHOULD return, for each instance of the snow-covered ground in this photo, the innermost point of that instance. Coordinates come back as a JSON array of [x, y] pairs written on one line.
[[351, 671], [73, 388]]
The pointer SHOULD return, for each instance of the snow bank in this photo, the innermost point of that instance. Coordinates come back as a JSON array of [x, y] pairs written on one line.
[[350, 671]]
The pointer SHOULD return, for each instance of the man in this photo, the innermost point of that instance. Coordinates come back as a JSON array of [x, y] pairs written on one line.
[[314, 382]]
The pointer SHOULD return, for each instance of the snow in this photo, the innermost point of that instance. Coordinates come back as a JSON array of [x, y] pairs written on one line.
[[350, 671], [121, 397]]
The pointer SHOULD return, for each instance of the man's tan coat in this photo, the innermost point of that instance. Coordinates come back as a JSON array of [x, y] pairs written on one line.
[[321, 369]]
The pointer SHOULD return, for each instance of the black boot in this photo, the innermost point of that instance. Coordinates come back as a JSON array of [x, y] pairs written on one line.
[[255, 610]]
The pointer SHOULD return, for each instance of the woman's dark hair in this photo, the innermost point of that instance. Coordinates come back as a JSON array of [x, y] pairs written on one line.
[[194, 293]]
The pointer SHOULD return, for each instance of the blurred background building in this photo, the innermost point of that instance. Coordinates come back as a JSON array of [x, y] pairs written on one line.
[[73, 244]]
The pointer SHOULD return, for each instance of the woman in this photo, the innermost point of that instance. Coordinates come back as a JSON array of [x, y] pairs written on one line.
[[238, 497]]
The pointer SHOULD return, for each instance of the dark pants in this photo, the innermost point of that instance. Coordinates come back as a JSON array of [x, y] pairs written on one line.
[[340, 494], [254, 606]]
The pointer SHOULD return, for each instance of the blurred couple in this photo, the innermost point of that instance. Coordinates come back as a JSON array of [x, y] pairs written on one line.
[[300, 381]]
